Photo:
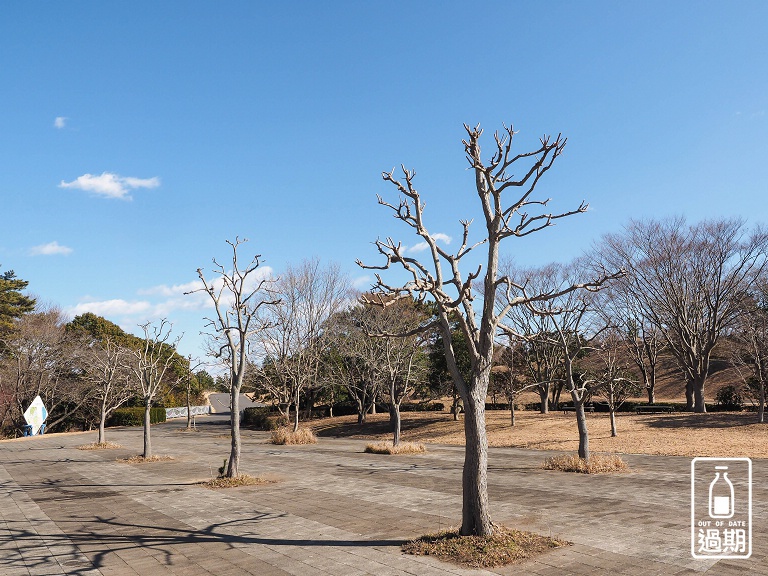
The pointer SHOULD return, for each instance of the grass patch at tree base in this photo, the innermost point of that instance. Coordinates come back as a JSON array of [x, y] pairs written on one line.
[[285, 435], [99, 446], [597, 464], [505, 546], [401, 448], [235, 482], [141, 460]]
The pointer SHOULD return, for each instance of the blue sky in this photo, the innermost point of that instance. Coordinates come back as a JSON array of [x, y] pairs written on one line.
[[136, 137]]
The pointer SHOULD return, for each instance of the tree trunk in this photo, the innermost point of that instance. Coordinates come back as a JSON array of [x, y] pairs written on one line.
[[689, 396], [456, 408], [698, 395], [189, 408], [102, 419], [761, 407], [581, 422], [476, 518], [296, 411], [613, 423], [394, 416], [147, 438], [544, 396], [512, 412], [233, 467]]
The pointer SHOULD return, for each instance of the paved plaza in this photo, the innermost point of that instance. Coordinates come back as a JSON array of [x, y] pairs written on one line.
[[333, 509]]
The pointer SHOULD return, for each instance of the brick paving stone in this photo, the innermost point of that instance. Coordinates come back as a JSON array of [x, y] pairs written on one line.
[[335, 510]]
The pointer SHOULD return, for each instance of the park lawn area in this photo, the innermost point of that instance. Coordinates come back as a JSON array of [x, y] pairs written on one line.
[[680, 434]]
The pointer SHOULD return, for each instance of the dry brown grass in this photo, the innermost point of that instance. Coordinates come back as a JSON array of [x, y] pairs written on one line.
[[678, 434], [401, 448], [504, 547], [235, 482], [139, 459], [99, 446], [597, 464], [286, 435]]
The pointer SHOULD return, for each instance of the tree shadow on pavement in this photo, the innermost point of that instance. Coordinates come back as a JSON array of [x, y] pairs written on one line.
[[102, 537]]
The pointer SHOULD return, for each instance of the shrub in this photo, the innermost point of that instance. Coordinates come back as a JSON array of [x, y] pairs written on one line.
[[422, 407], [401, 448], [135, 416], [597, 464], [263, 418], [729, 398], [285, 435]]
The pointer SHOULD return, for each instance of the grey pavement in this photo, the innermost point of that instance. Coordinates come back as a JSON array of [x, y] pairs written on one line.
[[333, 509]]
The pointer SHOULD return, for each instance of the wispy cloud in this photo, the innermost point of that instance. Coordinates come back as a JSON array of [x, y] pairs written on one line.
[[421, 246], [111, 308], [363, 282], [110, 185], [60, 122], [50, 249], [161, 300]]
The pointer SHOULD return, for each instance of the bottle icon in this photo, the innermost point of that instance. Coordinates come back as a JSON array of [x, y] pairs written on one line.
[[721, 494]]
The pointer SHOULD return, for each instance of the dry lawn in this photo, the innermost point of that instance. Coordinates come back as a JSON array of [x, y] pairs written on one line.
[[504, 547], [597, 464], [236, 482], [99, 446], [401, 448], [683, 434], [141, 460], [286, 435]]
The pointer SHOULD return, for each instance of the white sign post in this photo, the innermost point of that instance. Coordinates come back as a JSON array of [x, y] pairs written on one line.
[[36, 414]]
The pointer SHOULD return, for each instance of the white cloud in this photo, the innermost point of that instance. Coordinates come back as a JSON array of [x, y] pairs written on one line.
[[110, 185], [421, 246], [117, 307], [50, 249], [363, 282], [60, 122]]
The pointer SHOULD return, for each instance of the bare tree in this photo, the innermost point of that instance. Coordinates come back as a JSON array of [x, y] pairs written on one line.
[[749, 354], [641, 337], [152, 361], [107, 368], [533, 335], [353, 357], [308, 296], [396, 362], [40, 359], [690, 280], [612, 380], [570, 316], [238, 296], [442, 280], [510, 377]]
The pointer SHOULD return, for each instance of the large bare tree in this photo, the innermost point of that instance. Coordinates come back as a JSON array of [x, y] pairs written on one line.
[[691, 280], [238, 294], [470, 295]]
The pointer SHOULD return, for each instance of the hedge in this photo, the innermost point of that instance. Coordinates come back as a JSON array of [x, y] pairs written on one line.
[[135, 416], [262, 418]]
